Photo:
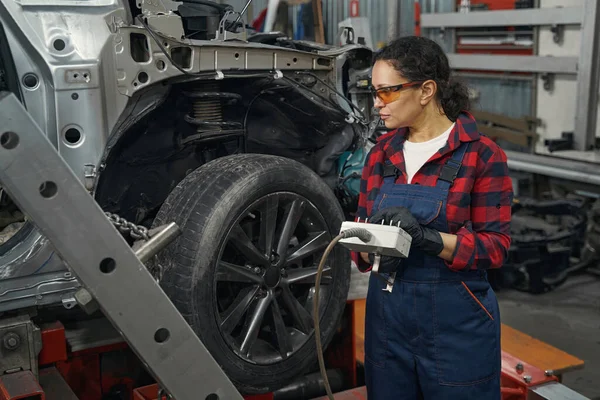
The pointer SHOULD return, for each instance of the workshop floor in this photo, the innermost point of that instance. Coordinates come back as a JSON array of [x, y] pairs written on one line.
[[567, 318]]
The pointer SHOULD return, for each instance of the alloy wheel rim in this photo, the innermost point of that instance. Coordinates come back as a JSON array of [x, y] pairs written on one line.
[[264, 280]]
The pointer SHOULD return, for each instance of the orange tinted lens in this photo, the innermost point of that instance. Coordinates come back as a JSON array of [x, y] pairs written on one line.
[[388, 96]]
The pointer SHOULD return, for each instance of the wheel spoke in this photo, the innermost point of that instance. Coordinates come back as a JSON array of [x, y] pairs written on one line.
[[289, 226], [311, 245], [235, 312], [268, 224], [242, 242], [283, 337], [308, 275], [253, 327], [299, 313], [236, 273]]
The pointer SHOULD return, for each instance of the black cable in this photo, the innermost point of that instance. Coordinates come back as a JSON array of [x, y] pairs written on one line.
[[334, 90], [335, 106]]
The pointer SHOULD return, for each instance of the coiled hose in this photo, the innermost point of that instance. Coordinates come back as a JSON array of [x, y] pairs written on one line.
[[361, 234]]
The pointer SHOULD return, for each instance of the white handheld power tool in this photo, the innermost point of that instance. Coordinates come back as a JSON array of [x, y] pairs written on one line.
[[385, 240]]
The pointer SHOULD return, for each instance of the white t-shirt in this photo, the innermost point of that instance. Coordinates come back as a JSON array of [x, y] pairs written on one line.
[[417, 154]]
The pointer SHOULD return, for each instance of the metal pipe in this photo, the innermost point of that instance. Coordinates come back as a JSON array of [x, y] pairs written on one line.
[[554, 167], [157, 242]]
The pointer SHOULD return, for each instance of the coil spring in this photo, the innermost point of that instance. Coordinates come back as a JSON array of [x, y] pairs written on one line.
[[207, 113]]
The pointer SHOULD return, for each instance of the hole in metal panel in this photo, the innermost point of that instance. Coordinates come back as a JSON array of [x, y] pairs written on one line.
[[107, 265], [143, 77], [9, 140], [48, 189], [30, 81], [161, 335], [72, 135], [138, 46], [324, 61], [59, 44], [212, 396], [182, 57]]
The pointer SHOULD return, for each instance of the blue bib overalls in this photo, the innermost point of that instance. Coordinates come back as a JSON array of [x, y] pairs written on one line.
[[437, 334]]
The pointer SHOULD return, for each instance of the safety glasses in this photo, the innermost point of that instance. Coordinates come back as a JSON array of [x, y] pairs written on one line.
[[390, 94]]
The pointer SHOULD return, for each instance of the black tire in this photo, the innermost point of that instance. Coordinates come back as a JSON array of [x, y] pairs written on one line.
[[215, 203]]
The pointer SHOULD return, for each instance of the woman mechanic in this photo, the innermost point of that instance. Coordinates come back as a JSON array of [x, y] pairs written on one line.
[[436, 335]]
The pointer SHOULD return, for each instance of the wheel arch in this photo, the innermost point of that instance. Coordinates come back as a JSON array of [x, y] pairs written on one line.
[[154, 122]]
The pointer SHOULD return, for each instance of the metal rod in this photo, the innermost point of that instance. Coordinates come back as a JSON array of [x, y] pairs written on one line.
[[243, 11], [157, 242]]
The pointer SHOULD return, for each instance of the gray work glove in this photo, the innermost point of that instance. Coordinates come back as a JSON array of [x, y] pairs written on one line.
[[426, 239]]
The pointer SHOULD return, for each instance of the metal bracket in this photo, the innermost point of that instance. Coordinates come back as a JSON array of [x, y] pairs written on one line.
[[223, 34], [20, 344], [557, 33], [44, 187], [548, 80], [89, 175]]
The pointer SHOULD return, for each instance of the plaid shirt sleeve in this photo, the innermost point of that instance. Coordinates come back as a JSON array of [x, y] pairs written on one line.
[[484, 240]]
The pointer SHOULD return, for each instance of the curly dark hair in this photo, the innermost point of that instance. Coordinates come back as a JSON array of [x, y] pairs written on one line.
[[419, 59]]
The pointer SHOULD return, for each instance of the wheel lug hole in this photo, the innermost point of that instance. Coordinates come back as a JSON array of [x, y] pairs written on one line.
[[284, 272], [257, 270]]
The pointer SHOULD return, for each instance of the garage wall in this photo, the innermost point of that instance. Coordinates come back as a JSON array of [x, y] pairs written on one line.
[[557, 108], [505, 95]]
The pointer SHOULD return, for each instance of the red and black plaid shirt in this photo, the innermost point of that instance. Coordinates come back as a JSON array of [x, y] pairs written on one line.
[[479, 202]]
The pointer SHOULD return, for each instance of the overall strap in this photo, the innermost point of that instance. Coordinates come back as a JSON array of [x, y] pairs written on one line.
[[390, 172], [450, 169]]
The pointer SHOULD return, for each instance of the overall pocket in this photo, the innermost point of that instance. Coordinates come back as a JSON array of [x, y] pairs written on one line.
[[466, 326], [376, 343]]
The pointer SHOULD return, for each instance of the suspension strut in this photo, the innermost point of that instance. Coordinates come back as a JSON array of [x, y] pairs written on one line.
[[207, 113]]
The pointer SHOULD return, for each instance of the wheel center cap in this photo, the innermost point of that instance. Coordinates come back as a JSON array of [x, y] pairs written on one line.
[[272, 277]]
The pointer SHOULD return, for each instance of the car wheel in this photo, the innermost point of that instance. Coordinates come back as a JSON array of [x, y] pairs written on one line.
[[243, 271]]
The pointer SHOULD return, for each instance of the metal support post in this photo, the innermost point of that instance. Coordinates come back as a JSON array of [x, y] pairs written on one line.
[[588, 81], [44, 187]]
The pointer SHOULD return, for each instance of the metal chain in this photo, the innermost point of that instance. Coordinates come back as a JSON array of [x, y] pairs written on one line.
[[137, 232]]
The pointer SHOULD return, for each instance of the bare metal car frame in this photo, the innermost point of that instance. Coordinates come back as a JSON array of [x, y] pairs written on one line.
[[75, 69]]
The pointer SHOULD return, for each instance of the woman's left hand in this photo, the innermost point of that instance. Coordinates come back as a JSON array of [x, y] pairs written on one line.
[[426, 239]]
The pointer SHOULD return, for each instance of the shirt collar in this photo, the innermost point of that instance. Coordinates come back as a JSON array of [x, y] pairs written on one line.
[[465, 130]]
